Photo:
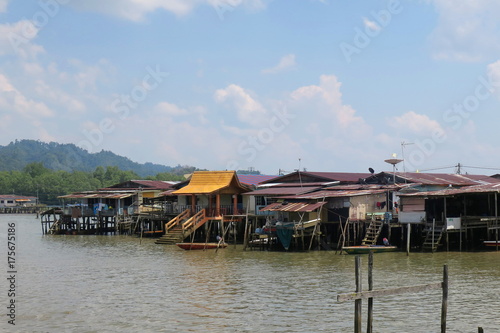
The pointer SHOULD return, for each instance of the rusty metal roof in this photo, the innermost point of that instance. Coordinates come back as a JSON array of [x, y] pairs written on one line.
[[488, 188], [366, 187], [336, 194], [308, 184], [342, 176], [142, 184], [445, 179], [97, 195], [351, 177], [293, 206], [166, 193], [277, 191], [253, 179], [16, 197]]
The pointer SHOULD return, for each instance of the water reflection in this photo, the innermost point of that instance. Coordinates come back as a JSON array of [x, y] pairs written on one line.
[[117, 283]]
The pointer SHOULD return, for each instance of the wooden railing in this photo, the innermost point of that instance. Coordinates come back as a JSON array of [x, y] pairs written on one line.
[[195, 222], [177, 220]]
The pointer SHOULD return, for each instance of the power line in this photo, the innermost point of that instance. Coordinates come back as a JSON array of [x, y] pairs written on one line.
[[440, 168], [475, 167]]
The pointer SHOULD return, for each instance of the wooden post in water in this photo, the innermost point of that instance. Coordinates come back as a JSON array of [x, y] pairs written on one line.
[[358, 302], [369, 325], [408, 235], [359, 295], [433, 227], [496, 221], [480, 330], [444, 305]]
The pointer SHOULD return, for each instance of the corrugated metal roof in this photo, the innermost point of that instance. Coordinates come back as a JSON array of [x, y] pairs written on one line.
[[446, 179], [275, 190], [206, 182], [351, 177], [293, 207], [97, 195], [308, 184], [254, 179], [156, 184], [366, 187], [142, 184], [336, 194], [342, 176], [488, 188], [16, 197], [166, 193]]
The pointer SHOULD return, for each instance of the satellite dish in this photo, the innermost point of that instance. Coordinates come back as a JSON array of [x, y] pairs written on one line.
[[371, 170]]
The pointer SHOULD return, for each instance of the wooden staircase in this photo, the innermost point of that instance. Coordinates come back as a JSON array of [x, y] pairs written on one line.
[[181, 228], [372, 232], [54, 228], [173, 229], [433, 239]]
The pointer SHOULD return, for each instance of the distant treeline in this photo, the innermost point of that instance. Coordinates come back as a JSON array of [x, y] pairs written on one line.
[[68, 157], [37, 180]]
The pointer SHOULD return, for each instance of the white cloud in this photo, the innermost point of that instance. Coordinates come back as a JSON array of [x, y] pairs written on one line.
[[16, 38], [169, 109], [413, 123], [59, 97], [286, 62], [467, 30], [372, 25], [248, 110], [87, 77], [326, 101], [13, 101], [23, 117], [3, 5], [493, 71], [136, 10], [325, 126]]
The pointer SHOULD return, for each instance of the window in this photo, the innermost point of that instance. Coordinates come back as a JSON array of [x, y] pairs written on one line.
[[260, 201]]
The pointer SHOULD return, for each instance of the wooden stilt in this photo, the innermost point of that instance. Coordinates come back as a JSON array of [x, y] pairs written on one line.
[[408, 236], [369, 325], [358, 303], [444, 306]]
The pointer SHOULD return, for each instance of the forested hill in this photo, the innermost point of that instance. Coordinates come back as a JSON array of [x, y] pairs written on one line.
[[68, 157]]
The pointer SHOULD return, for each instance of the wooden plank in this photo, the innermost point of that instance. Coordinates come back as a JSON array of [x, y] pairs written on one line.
[[388, 292]]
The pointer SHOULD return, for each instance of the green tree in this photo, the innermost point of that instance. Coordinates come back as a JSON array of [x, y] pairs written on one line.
[[35, 169]]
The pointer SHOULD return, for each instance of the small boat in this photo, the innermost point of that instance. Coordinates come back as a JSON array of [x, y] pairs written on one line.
[[201, 246], [491, 243], [364, 249]]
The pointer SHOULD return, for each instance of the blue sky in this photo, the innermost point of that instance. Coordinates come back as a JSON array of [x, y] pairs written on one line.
[[326, 85]]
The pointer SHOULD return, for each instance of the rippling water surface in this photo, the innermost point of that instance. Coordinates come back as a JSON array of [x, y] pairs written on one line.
[[118, 284]]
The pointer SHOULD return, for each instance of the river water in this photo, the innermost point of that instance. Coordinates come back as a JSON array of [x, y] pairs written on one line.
[[123, 284]]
